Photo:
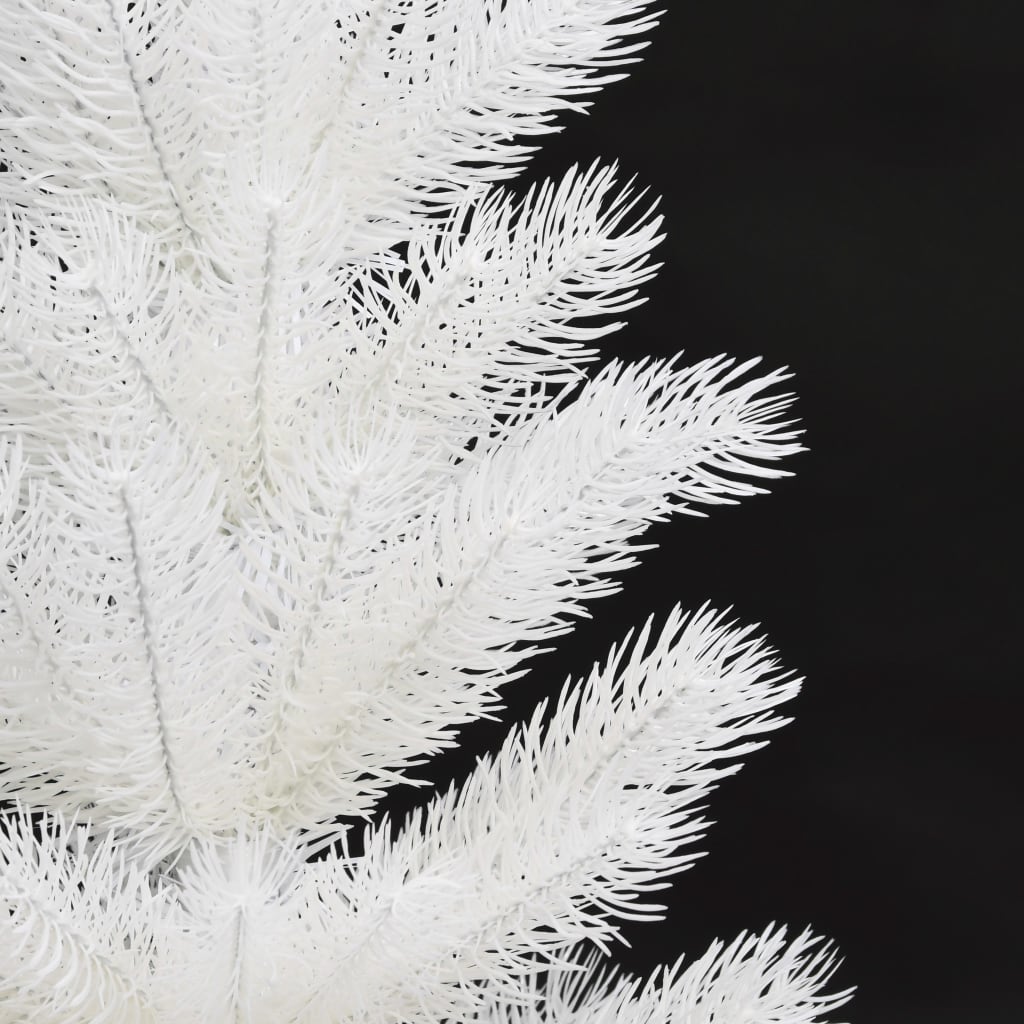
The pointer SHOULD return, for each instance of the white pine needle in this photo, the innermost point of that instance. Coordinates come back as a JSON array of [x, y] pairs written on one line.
[[302, 458], [557, 837], [755, 979]]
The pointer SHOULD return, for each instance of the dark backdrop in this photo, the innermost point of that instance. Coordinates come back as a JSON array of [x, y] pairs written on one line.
[[841, 187]]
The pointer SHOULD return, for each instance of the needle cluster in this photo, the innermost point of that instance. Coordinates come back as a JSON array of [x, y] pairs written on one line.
[[303, 454]]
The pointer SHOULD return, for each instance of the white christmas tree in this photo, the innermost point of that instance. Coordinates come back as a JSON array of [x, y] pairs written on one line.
[[301, 461]]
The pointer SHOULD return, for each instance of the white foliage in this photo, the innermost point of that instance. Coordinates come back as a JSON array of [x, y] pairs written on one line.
[[118, 593], [753, 980], [76, 929], [603, 798], [301, 459]]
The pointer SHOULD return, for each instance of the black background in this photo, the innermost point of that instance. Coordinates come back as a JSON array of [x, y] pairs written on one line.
[[841, 188]]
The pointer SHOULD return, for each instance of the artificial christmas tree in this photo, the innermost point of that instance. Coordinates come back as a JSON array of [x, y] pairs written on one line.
[[302, 460]]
